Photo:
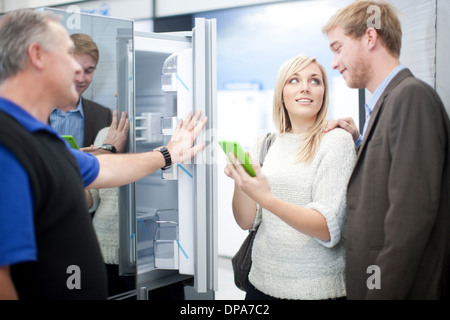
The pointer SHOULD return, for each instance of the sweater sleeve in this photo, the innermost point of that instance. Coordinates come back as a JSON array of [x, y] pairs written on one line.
[[336, 164]]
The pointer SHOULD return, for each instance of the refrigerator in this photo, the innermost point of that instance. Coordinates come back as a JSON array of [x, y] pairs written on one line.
[[168, 220]]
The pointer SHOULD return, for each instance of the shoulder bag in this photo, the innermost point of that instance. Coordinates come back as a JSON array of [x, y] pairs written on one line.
[[242, 260]]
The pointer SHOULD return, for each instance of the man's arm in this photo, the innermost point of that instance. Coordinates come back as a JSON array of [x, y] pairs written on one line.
[[7, 289], [348, 125], [121, 169]]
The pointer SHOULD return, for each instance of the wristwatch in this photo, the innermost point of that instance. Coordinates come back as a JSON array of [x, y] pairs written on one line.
[[166, 155], [109, 147]]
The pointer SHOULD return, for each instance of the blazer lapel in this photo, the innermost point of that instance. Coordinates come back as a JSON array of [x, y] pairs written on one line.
[[88, 121], [376, 110]]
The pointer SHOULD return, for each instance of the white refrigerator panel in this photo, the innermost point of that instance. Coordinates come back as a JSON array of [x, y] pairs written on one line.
[[159, 43], [185, 170], [205, 173]]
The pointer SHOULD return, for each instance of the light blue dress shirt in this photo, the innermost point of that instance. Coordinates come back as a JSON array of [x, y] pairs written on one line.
[[374, 99], [69, 123]]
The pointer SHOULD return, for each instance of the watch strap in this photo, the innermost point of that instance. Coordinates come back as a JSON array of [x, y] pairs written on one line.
[[166, 155]]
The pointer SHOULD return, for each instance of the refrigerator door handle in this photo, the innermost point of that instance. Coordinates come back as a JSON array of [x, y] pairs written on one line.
[[205, 169]]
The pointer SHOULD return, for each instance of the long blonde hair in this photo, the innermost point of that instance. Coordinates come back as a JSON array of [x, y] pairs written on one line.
[[312, 138]]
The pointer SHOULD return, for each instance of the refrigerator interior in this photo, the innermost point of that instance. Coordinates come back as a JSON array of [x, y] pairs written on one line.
[[168, 219], [157, 206]]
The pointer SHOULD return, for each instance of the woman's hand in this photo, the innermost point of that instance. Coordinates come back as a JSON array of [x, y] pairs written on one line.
[[257, 188]]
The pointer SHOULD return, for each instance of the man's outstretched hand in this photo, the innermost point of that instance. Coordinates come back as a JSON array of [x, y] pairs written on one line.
[[181, 146]]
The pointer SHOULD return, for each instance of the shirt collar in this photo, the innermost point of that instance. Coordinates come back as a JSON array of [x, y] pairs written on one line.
[[79, 109], [22, 116], [379, 91]]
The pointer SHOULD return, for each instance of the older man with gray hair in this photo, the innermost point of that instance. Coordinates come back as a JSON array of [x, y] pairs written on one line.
[[48, 248]]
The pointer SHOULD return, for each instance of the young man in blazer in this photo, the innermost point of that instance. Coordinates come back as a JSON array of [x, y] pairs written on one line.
[[398, 199], [86, 118]]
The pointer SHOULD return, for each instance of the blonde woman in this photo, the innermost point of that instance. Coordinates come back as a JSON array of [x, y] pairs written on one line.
[[297, 252]]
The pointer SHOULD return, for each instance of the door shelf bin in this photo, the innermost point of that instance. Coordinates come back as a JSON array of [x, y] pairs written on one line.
[[169, 82], [148, 128], [166, 254], [165, 244], [157, 235]]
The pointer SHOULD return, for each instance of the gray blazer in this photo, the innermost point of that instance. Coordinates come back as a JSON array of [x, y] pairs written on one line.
[[398, 199]]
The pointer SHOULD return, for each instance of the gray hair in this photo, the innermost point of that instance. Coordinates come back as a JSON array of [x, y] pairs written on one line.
[[18, 30]]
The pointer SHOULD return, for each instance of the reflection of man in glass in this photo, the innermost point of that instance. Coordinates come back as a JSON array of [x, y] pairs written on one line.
[[86, 118]]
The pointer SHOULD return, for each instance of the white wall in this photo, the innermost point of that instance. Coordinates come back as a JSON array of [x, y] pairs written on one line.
[[426, 42], [164, 8], [9, 5], [139, 9], [418, 19], [126, 9]]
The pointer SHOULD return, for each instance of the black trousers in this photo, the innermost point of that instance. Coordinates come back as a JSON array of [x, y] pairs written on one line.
[[255, 294]]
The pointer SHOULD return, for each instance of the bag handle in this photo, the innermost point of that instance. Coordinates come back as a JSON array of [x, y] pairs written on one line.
[[265, 145], [267, 142]]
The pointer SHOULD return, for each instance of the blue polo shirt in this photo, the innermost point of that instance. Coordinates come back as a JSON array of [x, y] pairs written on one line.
[[17, 241]]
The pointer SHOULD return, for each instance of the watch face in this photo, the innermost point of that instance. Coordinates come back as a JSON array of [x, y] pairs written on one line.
[[109, 147]]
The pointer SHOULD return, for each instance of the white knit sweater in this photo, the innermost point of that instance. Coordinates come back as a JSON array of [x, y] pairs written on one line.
[[287, 263], [106, 218]]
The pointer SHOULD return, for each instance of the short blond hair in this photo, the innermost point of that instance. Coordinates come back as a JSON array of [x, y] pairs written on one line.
[[312, 138], [355, 20], [85, 45]]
